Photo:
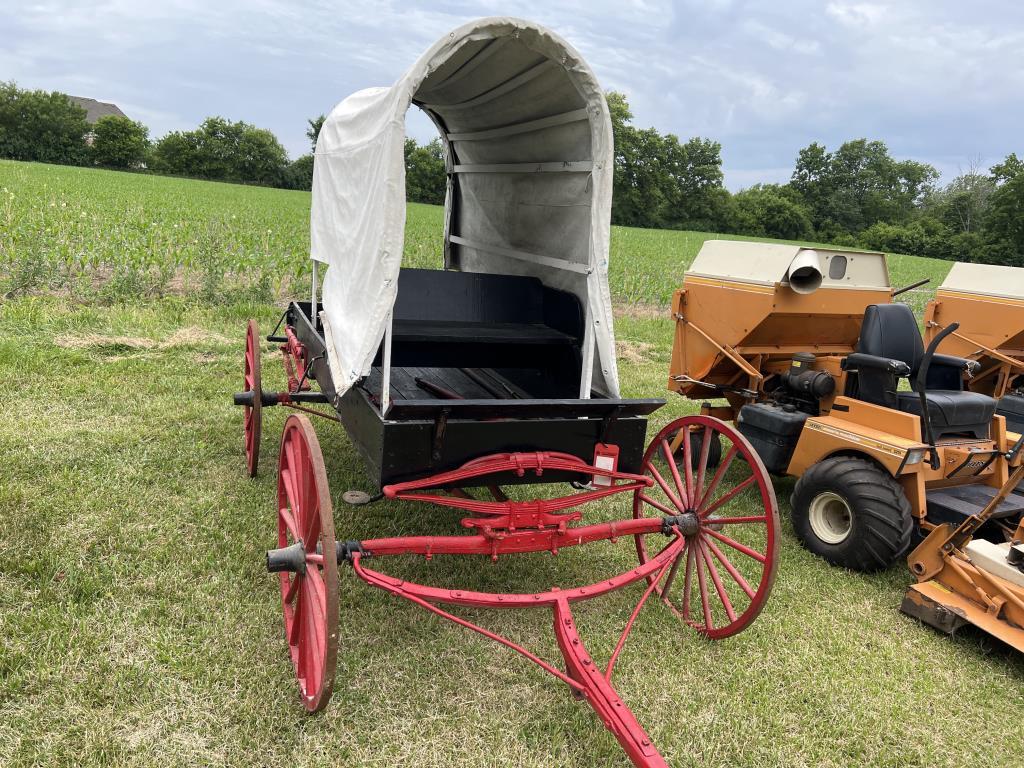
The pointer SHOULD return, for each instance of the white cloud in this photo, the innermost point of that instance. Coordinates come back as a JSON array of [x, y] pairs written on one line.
[[779, 40], [937, 82], [856, 14]]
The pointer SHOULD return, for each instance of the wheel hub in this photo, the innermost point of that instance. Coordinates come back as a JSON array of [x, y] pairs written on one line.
[[688, 524], [830, 517]]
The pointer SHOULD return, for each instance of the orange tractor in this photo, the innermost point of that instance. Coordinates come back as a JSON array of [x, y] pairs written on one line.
[[831, 382]]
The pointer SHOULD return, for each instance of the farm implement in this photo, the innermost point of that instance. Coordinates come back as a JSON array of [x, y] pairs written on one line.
[[809, 360], [477, 387]]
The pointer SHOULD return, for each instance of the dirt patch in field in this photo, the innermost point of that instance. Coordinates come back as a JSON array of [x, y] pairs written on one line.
[[641, 311], [116, 347], [91, 340], [633, 352]]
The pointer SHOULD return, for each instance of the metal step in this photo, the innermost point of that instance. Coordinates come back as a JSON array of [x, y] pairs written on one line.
[[954, 505]]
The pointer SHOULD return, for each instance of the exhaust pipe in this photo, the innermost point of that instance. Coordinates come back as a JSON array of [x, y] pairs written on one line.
[[804, 273]]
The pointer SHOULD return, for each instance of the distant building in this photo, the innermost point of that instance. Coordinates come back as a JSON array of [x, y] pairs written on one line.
[[94, 110]]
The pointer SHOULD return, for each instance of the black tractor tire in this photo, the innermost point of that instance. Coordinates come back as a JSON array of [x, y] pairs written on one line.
[[696, 440], [852, 513]]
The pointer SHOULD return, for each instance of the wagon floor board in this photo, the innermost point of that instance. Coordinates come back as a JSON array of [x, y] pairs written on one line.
[[404, 386]]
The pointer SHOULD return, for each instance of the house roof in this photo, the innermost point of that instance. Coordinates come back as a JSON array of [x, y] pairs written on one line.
[[94, 110]]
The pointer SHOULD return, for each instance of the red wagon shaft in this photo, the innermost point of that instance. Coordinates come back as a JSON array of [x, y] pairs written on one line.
[[683, 509]]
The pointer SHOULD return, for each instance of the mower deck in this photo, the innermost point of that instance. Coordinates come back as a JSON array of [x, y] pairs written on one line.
[[947, 611]]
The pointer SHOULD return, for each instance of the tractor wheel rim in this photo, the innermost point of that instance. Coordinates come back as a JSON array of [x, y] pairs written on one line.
[[830, 517]]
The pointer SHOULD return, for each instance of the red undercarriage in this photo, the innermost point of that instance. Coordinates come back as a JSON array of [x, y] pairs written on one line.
[[508, 527]]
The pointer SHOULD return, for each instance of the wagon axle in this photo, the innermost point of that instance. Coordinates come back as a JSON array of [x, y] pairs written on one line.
[[267, 399]]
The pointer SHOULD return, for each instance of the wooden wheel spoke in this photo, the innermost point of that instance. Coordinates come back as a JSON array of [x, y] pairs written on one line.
[[687, 583], [289, 523], [664, 487], [656, 504], [691, 495], [702, 463], [730, 568], [723, 467], [313, 525], [293, 589], [683, 491], [667, 586], [736, 545], [716, 579], [316, 607], [293, 636], [735, 520], [705, 600], [291, 495], [727, 496]]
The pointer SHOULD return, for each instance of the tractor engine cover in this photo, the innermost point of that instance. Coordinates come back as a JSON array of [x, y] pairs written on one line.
[[773, 431]]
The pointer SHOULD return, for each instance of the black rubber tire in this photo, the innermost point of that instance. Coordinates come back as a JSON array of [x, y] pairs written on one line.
[[881, 517], [714, 453]]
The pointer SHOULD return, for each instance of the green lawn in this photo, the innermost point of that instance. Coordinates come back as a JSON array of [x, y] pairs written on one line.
[[138, 625]]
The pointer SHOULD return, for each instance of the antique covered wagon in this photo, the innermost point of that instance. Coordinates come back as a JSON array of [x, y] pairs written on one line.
[[497, 370]]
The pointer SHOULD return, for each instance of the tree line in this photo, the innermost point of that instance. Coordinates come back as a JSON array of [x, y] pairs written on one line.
[[854, 195], [48, 127]]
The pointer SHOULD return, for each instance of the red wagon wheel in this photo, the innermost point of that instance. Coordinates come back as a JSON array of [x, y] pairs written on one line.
[[722, 577], [253, 423], [309, 596]]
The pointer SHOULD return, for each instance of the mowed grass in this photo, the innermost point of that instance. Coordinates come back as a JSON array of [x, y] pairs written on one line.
[[137, 624]]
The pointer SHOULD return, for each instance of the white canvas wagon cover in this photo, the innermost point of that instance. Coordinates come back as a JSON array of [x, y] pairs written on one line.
[[528, 146]]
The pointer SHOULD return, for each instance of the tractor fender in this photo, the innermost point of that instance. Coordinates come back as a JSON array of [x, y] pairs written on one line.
[[824, 436]]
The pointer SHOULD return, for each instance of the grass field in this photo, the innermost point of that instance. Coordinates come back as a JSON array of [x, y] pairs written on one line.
[[138, 627]]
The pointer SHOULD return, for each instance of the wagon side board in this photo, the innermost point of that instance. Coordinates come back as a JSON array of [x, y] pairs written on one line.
[[397, 451]]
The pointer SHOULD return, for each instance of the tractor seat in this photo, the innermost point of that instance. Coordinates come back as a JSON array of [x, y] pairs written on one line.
[[952, 412], [890, 345]]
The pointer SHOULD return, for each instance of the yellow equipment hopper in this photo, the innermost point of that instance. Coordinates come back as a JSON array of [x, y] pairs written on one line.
[[988, 302]]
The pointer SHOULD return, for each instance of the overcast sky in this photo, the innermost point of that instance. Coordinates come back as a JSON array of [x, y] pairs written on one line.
[[938, 80]]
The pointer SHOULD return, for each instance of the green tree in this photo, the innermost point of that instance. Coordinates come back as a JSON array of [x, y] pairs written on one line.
[[771, 210], [660, 181], [1005, 220], [41, 126], [299, 175], [425, 176], [963, 203], [313, 131], [119, 142], [859, 184], [176, 154], [225, 151]]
